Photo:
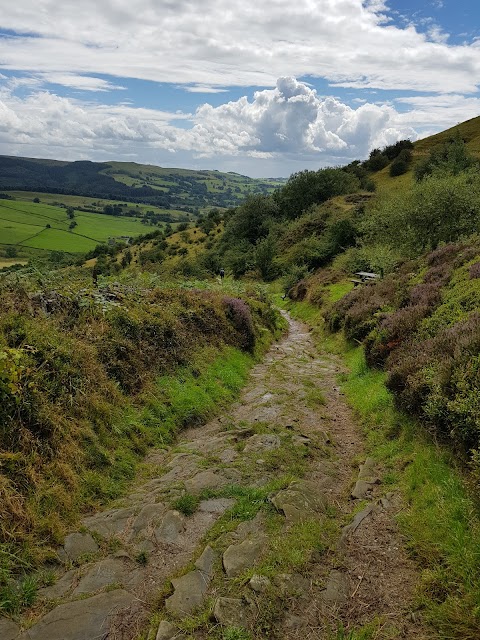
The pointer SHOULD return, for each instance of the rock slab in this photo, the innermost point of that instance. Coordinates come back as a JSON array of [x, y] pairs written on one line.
[[231, 612], [299, 502], [80, 620], [8, 629], [79, 544], [239, 557], [188, 595]]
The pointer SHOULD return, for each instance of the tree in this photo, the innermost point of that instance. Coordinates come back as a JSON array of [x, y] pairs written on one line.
[[451, 157], [401, 163], [72, 225], [71, 212], [11, 252], [313, 187], [265, 251], [36, 200], [440, 208]]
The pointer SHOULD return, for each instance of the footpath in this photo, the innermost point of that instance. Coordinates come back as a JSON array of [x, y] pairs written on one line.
[[267, 522]]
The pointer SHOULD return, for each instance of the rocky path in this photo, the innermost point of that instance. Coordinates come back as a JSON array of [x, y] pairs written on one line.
[[268, 519]]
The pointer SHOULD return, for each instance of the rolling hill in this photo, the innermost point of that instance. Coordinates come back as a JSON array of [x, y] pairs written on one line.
[[181, 189]]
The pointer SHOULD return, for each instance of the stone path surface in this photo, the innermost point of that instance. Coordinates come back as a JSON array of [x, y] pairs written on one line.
[[211, 518]]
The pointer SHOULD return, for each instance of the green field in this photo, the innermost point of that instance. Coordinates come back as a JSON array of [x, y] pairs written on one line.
[[57, 199], [24, 224]]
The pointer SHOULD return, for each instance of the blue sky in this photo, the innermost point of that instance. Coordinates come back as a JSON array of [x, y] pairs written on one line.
[[259, 88]]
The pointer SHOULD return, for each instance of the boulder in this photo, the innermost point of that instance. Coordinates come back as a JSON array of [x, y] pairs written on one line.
[[206, 562], [102, 574], [59, 589], [259, 584], [205, 480], [336, 592], [300, 501]]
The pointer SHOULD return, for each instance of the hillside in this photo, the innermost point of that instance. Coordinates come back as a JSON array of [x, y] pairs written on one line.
[[468, 131], [130, 182]]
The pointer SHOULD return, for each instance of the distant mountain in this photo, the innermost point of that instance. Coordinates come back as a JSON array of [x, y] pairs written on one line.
[[131, 182]]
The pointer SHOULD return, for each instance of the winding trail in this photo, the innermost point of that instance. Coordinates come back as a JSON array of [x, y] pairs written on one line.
[[282, 463]]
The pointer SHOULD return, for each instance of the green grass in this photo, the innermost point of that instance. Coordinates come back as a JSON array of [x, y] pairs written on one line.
[[188, 396], [186, 504], [24, 224]]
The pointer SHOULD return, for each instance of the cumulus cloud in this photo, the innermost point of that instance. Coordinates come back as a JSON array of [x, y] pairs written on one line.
[[288, 121], [217, 43]]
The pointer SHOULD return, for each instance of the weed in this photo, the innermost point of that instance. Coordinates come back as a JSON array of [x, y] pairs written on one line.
[[186, 504], [141, 558]]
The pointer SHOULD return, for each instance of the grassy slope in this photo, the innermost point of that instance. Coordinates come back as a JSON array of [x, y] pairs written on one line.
[[468, 130]]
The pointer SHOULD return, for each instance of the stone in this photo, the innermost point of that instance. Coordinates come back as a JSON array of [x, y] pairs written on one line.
[[188, 595], [110, 523], [300, 501], [227, 456], [59, 589], [147, 515], [172, 525], [216, 505], [262, 442], [231, 612], [145, 546], [301, 440], [259, 584], [82, 619], [337, 588], [79, 544], [206, 561], [362, 489], [205, 480], [168, 631], [356, 522], [8, 629], [367, 469], [102, 574], [249, 527], [239, 557], [292, 584]]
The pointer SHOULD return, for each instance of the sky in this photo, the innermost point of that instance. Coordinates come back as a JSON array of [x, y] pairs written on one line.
[[260, 87]]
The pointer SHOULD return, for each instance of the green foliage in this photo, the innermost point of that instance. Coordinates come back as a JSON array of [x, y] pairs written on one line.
[[186, 504], [401, 163], [307, 188], [438, 209], [449, 158]]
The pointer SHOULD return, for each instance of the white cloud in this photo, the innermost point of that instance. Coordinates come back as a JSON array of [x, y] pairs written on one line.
[[288, 121], [219, 43], [75, 81]]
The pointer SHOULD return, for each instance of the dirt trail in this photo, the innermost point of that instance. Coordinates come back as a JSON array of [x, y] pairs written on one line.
[[276, 473]]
